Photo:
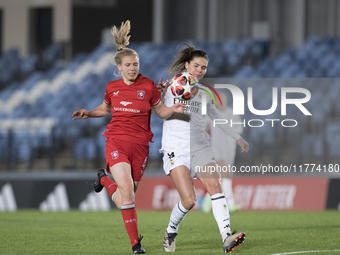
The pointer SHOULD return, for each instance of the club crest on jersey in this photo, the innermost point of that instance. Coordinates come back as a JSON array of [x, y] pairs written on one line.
[[114, 155], [140, 94]]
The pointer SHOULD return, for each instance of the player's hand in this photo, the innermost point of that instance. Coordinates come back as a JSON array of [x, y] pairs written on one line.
[[162, 87], [80, 114], [244, 145], [179, 107]]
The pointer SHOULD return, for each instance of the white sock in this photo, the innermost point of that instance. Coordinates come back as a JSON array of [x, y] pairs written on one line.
[[177, 216], [221, 213], [228, 191]]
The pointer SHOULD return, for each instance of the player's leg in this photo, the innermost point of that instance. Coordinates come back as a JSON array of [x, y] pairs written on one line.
[[221, 211], [206, 171], [122, 190], [114, 153], [226, 184], [105, 181], [116, 196], [110, 186], [126, 187], [138, 165], [227, 188], [218, 201], [138, 156], [182, 180]]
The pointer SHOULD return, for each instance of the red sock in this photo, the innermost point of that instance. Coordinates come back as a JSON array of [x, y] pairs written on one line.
[[109, 184], [130, 220]]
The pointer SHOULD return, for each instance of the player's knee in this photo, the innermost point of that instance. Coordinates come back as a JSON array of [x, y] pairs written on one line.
[[190, 202], [127, 195], [214, 187]]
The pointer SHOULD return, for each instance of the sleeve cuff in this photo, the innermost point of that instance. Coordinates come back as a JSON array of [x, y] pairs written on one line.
[[158, 101]]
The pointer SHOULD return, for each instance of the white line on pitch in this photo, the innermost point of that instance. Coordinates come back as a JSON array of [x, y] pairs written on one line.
[[300, 252]]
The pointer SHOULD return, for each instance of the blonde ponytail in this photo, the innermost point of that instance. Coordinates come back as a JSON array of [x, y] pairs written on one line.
[[122, 39]]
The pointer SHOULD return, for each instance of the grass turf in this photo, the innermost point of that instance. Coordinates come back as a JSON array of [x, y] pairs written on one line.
[[75, 232]]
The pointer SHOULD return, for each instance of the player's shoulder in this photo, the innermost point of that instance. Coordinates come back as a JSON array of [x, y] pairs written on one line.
[[114, 83], [204, 87], [145, 80]]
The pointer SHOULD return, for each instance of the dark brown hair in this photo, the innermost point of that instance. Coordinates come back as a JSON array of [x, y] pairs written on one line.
[[185, 55]]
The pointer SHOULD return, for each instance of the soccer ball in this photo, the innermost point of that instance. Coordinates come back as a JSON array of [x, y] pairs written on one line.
[[183, 86]]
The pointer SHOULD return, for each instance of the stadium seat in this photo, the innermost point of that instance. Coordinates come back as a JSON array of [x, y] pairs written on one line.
[[52, 92]]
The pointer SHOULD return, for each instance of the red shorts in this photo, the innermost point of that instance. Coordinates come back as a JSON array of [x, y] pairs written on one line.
[[135, 154]]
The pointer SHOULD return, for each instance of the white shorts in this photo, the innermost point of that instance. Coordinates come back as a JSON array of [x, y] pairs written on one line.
[[193, 162]]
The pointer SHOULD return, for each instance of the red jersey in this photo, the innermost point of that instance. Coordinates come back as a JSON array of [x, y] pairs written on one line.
[[131, 109]]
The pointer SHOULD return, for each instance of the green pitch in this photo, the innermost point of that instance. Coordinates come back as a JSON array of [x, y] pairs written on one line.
[[75, 232]]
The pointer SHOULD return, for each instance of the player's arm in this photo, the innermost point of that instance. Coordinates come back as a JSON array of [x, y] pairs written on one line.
[[101, 111], [238, 128], [214, 115], [162, 88], [164, 112]]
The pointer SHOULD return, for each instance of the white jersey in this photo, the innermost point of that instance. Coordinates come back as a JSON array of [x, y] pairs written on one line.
[[184, 133]]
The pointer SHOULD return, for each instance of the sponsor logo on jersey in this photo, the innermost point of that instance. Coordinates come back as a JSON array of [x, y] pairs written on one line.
[[114, 155], [122, 109], [115, 93], [125, 103], [193, 106], [140, 94]]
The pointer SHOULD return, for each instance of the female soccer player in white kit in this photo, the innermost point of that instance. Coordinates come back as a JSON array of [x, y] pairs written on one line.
[[186, 148]]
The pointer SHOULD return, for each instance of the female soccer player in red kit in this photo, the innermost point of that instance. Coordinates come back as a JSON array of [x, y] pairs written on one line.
[[130, 100]]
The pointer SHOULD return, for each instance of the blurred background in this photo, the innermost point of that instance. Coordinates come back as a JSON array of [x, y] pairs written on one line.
[[55, 58]]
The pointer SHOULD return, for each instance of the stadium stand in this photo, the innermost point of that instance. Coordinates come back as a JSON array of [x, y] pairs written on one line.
[[18, 69], [35, 113]]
